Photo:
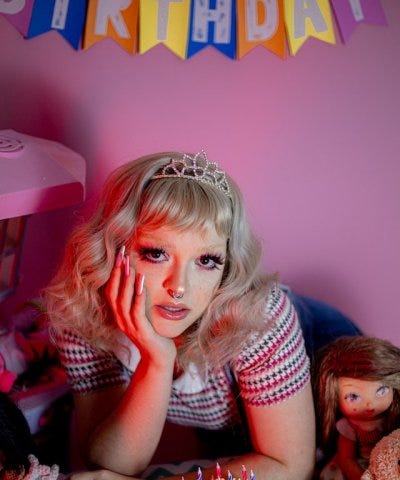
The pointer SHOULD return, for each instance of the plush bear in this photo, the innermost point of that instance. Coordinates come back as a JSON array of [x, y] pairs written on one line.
[[384, 459]]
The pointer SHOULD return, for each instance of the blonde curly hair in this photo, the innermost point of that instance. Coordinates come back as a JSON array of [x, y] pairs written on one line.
[[75, 298]]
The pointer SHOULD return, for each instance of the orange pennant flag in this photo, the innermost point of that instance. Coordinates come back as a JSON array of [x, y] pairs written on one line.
[[260, 22], [117, 19]]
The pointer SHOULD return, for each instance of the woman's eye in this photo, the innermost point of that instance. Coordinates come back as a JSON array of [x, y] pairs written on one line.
[[210, 262], [352, 397], [155, 255], [382, 391]]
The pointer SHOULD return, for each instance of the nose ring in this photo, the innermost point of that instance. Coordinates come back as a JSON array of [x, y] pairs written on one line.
[[176, 295]]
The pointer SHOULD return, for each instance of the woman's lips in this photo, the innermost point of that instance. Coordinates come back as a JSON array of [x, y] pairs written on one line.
[[172, 312]]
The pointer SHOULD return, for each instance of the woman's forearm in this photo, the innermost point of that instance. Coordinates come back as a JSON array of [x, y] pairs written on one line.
[[126, 441]]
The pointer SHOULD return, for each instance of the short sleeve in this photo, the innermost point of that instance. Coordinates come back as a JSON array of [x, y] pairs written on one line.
[[345, 429], [274, 365], [88, 369]]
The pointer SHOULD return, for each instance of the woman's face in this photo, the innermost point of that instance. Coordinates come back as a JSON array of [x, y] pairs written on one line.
[[186, 264]]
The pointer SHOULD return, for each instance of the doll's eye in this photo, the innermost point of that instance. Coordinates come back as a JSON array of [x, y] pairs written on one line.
[[382, 391], [352, 397]]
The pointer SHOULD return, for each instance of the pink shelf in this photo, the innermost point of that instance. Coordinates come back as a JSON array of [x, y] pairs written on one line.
[[37, 175]]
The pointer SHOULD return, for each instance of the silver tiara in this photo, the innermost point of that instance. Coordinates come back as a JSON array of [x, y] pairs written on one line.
[[196, 168]]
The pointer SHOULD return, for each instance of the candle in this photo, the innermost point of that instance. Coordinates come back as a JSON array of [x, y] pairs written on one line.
[[199, 474], [252, 476], [218, 471], [244, 473], [230, 475]]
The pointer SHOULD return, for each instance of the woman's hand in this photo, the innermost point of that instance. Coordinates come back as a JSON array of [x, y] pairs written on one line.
[[126, 294], [122, 425]]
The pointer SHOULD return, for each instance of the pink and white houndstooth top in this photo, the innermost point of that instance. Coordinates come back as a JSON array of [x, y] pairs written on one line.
[[271, 368]]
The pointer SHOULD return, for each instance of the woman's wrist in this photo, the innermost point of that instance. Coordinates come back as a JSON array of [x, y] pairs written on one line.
[[163, 360]]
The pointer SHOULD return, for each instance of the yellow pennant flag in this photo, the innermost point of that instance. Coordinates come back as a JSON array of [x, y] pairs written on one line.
[[164, 21], [260, 22], [116, 19], [308, 18]]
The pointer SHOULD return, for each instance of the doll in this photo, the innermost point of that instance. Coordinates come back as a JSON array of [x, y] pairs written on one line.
[[357, 393]]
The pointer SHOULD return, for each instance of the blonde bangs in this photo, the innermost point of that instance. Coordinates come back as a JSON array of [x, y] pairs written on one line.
[[185, 204]]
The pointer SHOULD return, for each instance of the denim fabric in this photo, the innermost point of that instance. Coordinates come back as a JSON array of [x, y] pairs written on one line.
[[321, 323]]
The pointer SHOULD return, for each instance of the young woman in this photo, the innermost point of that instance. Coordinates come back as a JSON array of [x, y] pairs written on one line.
[[160, 312]]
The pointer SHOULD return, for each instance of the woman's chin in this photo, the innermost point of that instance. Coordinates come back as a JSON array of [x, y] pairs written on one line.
[[169, 331]]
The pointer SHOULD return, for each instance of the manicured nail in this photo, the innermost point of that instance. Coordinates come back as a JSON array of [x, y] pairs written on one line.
[[127, 269], [140, 284], [120, 256]]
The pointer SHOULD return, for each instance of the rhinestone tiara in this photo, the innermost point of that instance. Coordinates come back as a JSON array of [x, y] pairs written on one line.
[[197, 168]]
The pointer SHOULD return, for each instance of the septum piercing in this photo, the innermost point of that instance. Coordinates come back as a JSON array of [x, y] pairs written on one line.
[[176, 295]]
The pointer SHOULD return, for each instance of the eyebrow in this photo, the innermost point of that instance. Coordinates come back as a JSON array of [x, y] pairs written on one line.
[[163, 244]]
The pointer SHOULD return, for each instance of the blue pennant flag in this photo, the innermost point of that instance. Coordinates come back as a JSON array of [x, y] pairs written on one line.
[[213, 22], [65, 16]]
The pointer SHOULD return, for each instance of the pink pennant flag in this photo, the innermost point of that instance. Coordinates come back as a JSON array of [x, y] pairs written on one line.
[[18, 13], [349, 13]]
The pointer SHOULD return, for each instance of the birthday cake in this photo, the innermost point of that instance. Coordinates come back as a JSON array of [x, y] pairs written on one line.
[[154, 472], [218, 474]]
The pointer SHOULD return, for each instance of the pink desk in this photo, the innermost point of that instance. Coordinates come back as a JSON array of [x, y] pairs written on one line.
[[37, 175]]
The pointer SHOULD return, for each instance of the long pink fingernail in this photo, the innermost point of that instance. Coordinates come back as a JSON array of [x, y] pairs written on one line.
[[140, 284], [127, 269], [120, 256]]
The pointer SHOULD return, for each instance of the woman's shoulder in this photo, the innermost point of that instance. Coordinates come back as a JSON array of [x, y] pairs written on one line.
[[280, 333], [277, 302], [88, 367], [273, 364], [68, 338], [75, 348]]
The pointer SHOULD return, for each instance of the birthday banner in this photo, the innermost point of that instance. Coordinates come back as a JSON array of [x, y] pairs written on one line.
[[234, 27]]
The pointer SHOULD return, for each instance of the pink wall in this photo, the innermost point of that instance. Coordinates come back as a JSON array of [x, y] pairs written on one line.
[[312, 140]]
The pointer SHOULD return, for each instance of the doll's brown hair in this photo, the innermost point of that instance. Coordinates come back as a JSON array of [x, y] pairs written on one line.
[[360, 357]]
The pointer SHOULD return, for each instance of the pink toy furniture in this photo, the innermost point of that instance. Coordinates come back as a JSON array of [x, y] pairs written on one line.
[[36, 175]]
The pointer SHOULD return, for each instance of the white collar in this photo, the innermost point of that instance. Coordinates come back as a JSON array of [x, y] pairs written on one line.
[[128, 354]]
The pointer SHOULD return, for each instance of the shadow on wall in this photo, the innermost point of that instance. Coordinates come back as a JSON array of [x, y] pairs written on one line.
[[326, 286]]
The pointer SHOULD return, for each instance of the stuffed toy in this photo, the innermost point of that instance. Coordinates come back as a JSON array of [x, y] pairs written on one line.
[[384, 459], [17, 461]]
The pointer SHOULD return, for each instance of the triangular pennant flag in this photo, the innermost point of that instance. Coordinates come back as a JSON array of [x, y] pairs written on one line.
[[308, 18], [116, 19], [67, 18], [260, 22], [18, 13], [213, 22], [349, 13], [164, 21]]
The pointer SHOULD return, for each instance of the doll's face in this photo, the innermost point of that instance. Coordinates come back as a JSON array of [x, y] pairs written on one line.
[[363, 399]]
